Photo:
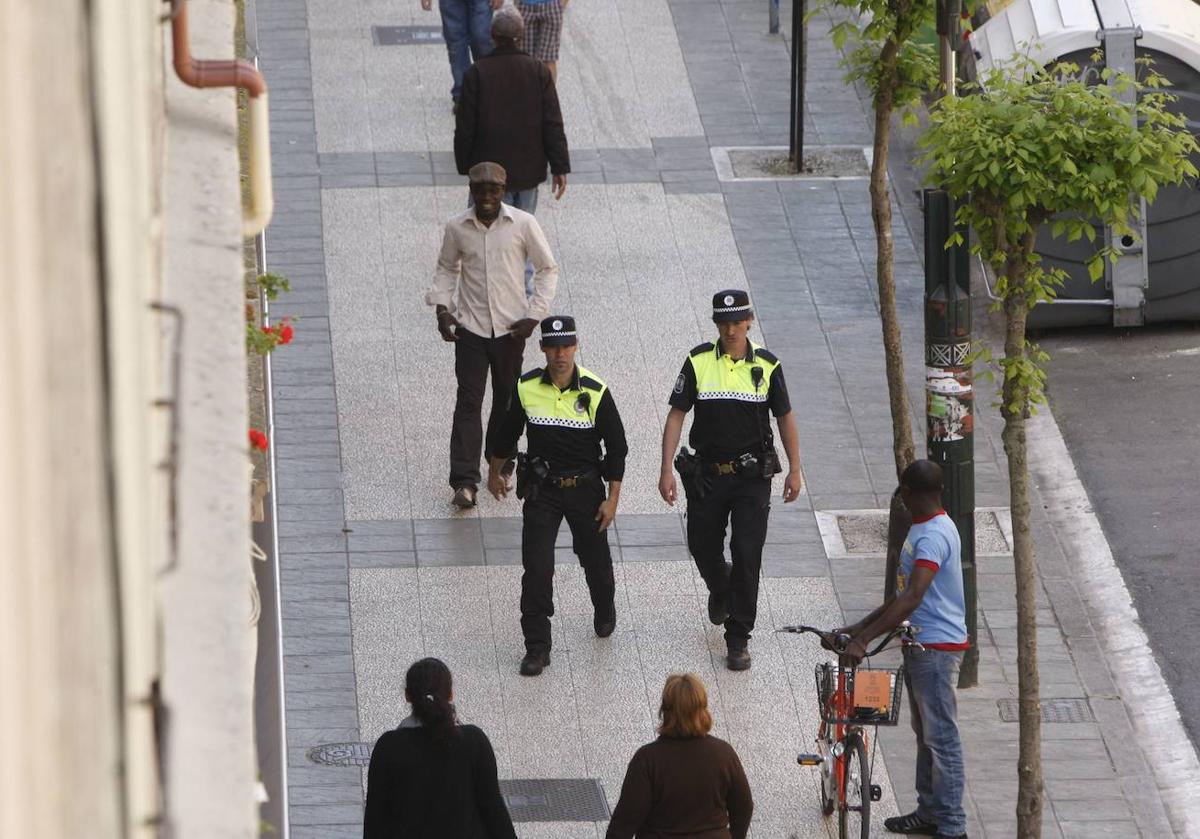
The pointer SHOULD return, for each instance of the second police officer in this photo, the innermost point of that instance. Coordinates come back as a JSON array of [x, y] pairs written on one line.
[[567, 413], [731, 383]]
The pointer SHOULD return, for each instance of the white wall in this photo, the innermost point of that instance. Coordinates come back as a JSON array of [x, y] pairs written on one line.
[[206, 599], [91, 610]]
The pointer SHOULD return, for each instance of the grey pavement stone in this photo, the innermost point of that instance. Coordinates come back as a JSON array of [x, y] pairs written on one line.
[[313, 496], [333, 697], [366, 542], [344, 180], [403, 163], [506, 556], [644, 530], [383, 559], [389, 179], [445, 558], [351, 830], [312, 544], [311, 627]]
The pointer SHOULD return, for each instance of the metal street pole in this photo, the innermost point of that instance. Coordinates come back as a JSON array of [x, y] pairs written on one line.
[[796, 141], [948, 12], [950, 393]]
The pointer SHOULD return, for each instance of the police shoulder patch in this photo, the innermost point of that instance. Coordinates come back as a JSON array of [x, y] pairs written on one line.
[[590, 383], [766, 355], [707, 346], [532, 374]]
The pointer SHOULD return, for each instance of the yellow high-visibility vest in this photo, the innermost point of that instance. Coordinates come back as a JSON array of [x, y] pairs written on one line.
[[574, 407], [720, 377]]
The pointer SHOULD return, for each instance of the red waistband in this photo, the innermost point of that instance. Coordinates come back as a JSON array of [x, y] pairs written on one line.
[[950, 648]]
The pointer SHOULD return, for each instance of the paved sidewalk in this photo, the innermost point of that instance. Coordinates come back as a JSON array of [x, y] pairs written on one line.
[[378, 570]]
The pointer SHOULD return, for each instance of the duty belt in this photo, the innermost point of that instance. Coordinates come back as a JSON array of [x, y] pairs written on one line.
[[571, 481]]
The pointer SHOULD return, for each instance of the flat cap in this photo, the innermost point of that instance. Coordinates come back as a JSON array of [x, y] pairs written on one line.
[[487, 173]]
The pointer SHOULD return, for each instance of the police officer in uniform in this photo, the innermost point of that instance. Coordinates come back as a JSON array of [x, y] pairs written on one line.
[[567, 413], [732, 383]]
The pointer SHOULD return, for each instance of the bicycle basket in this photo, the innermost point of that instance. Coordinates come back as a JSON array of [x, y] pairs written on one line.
[[866, 696]]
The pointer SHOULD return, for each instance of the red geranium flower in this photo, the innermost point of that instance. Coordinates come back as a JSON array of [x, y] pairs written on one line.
[[285, 332], [258, 440], [268, 330]]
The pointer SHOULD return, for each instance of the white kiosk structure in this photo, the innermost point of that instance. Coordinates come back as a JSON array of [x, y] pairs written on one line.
[[1157, 278]]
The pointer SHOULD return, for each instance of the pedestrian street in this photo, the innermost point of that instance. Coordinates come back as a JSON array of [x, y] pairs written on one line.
[[378, 569]]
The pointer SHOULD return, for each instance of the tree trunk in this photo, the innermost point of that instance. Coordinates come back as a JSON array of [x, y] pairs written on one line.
[[1014, 410], [881, 214], [899, 523]]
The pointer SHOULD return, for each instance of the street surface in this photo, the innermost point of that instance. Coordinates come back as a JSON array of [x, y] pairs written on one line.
[[377, 569], [1125, 401]]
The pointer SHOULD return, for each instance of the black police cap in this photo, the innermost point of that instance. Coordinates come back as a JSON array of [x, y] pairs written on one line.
[[559, 331], [732, 304]]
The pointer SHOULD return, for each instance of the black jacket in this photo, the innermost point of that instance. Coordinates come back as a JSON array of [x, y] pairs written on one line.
[[508, 113], [420, 787]]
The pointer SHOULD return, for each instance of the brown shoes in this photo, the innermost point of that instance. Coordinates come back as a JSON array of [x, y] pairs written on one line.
[[464, 497]]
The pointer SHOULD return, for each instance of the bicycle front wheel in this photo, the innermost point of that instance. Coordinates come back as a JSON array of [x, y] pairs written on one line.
[[831, 770], [854, 814]]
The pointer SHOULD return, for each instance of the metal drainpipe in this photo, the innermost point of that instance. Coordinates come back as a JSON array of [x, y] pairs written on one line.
[[232, 73]]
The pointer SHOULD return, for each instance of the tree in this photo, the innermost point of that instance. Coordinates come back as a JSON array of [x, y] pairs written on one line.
[[897, 71], [1038, 145]]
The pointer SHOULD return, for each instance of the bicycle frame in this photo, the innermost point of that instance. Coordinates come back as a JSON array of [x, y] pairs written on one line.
[[841, 703]]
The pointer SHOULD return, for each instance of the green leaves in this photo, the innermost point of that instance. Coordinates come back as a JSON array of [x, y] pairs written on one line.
[[874, 25], [1029, 145]]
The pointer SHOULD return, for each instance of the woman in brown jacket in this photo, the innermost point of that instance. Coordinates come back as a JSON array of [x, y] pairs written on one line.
[[686, 783]]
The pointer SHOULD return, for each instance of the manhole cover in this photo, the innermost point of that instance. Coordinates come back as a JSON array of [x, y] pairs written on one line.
[[528, 799], [341, 754], [555, 799], [1053, 710], [401, 36], [865, 532]]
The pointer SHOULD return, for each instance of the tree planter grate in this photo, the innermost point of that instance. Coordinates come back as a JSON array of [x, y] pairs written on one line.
[[1053, 710]]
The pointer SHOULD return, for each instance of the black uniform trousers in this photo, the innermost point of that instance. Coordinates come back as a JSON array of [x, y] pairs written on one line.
[[543, 517], [474, 356], [746, 503]]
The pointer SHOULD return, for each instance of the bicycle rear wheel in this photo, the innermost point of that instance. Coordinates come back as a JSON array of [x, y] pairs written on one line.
[[854, 817]]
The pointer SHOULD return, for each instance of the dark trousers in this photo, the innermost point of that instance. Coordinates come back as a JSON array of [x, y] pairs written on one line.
[[745, 502], [543, 517], [473, 358]]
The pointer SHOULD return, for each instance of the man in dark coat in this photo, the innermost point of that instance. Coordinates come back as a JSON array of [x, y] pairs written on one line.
[[508, 113]]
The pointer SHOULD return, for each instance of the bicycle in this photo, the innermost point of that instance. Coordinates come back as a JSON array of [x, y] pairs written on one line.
[[849, 701]]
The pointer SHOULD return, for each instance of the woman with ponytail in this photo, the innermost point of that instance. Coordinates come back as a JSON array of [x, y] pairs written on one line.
[[432, 778]]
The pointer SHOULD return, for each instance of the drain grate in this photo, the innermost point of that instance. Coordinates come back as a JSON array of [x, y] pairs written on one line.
[[555, 800], [402, 36], [1053, 710]]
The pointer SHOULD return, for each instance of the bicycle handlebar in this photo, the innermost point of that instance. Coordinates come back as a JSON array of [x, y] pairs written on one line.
[[838, 641]]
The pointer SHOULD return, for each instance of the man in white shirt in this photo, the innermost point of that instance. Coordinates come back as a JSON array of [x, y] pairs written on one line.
[[478, 293]]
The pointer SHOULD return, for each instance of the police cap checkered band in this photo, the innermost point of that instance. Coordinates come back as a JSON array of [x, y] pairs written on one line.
[[558, 331], [731, 304]]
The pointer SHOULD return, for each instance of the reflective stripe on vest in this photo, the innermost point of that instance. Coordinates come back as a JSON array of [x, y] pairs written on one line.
[[720, 377], [545, 404]]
